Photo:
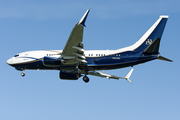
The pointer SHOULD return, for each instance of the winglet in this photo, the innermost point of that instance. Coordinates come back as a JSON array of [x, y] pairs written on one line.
[[128, 75], [83, 19]]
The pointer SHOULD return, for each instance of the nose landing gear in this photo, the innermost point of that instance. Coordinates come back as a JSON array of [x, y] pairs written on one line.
[[21, 69], [23, 74]]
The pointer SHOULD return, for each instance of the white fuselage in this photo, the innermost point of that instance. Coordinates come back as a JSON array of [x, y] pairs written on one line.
[[31, 56]]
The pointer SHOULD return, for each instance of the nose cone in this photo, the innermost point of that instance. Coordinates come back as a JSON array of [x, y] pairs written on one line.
[[9, 62]]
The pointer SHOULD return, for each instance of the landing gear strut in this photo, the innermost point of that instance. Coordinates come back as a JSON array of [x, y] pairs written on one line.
[[77, 71], [85, 79]]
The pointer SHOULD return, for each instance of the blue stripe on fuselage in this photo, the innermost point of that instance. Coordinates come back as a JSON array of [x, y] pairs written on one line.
[[129, 58], [114, 59]]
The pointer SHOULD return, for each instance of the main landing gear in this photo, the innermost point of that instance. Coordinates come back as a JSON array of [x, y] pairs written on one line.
[[21, 69], [78, 71], [85, 79]]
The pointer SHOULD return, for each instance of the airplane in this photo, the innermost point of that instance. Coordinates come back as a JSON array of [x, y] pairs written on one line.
[[73, 61]]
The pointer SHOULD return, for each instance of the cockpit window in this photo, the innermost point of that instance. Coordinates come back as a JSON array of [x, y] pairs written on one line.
[[16, 55]]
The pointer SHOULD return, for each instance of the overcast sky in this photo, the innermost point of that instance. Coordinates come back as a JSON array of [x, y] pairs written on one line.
[[111, 24]]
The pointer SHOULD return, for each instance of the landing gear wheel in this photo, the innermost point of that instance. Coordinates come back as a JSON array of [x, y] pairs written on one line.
[[22, 74], [85, 79]]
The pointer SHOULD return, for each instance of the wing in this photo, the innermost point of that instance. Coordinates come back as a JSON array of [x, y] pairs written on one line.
[[100, 74], [73, 52]]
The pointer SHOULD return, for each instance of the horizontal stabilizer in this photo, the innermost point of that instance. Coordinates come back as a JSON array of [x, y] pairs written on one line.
[[163, 58]]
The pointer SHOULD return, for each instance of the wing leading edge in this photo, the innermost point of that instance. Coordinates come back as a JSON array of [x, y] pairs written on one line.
[[73, 52]]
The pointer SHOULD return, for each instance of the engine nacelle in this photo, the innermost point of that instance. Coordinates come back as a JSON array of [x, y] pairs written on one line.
[[51, 61], [68, 75]]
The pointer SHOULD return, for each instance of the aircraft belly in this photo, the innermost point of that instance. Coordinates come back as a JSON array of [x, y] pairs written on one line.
[[34, 66]]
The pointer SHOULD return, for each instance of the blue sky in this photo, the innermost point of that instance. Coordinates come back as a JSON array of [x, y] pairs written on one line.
[[111, 24]]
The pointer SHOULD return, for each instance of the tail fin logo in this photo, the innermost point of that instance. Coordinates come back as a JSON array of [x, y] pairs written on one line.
[[149, 41]]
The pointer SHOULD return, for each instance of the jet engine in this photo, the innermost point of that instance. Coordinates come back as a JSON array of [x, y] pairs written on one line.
[[68, 75], [51, 61]]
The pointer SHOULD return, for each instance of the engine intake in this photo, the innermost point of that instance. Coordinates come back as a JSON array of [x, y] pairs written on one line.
[[51, 61]]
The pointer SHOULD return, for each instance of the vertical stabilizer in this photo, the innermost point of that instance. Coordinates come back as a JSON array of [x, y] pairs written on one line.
[[152, 36]]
